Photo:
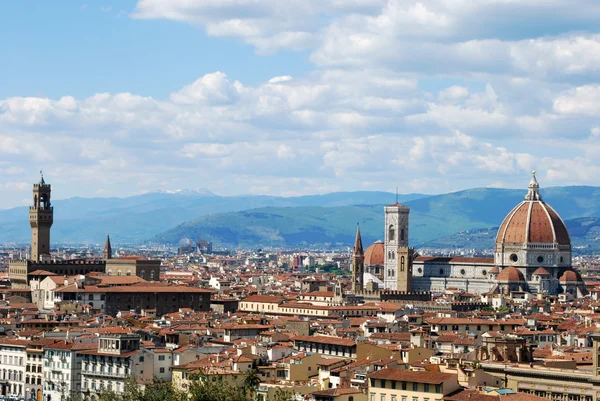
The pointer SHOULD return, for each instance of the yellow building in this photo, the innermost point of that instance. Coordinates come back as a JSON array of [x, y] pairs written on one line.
[[392, 384]]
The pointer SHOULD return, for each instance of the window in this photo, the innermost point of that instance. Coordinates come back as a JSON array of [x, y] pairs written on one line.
[[402, 235], [141, 359], [415, 387], [402, 263], [162, 370], [372, 398], [438, 388], [161, 357], [382, 397], [393, 384], [394, 398], [382, 383], [426, 388], [391, 233], [403, 385]]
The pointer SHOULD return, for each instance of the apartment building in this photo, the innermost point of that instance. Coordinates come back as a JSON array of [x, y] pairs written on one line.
[[393, 384], [12, 371], [62, 369], [109, 365]]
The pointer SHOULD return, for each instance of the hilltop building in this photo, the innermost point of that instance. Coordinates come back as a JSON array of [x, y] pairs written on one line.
[[41, 217], [532, 254]]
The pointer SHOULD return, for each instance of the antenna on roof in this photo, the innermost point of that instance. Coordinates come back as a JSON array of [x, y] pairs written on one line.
[[396, 194]]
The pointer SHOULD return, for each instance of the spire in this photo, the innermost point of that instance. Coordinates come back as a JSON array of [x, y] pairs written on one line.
[[358, 247], [533, 193], [107, 248], [42, 182]]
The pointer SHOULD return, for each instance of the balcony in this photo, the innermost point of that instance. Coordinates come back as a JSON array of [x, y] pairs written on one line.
[[105, 374]]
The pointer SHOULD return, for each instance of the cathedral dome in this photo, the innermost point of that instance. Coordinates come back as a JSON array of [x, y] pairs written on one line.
[[570, 276], [510, 274], [374, 255], [533, 221]]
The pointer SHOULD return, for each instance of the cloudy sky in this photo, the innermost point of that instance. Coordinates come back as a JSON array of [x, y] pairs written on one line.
[[298, 96]]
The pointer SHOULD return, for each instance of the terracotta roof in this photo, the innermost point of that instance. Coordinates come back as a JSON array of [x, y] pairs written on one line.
[[411, 376], [510, 274], [570, 275], [374, 255], [541, 272], [326, 340], [264, 298], [533, 221], [332, 392]]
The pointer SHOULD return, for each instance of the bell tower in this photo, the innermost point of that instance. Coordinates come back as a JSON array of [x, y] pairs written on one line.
[[41, 217], [358, 264], [398, 256]]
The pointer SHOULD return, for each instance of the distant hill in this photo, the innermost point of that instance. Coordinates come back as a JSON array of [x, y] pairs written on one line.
[[584, 232], [136, 219], [474, 213], [295, 221]]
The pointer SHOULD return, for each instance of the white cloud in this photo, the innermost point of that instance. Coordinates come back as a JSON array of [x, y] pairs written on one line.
[[430, 95], [583, 100]]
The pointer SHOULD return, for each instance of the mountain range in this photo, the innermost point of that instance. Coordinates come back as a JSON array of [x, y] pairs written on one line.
[[449, 220], [138, 218], [459, 219]]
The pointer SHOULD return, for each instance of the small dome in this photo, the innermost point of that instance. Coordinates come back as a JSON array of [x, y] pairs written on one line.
[[375, 254], [541, 272], [511, 274], [570, 275], [495, 270]]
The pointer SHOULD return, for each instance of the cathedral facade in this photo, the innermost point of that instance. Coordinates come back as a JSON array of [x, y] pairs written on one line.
[[532, 253]]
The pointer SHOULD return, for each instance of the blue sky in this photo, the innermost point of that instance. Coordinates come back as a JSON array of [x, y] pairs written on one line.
[[298, 97], [82, 48]]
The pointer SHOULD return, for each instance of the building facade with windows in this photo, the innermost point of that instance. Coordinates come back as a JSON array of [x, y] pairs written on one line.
[[393, 384], [12, 370]]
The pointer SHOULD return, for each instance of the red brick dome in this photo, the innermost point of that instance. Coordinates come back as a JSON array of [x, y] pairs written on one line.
[[570, 275], [533, 221], [375, 254], [510, 274], [541, 272]]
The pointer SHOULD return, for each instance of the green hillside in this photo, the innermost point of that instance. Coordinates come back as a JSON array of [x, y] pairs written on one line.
[[460, 219]]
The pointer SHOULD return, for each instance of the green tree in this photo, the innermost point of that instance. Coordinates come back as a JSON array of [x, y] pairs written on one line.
[[251, 383]]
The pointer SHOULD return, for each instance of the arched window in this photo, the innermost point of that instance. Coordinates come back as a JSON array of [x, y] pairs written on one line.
[[118, 272], [143, 274], [402, 235], [391, 233], [402, 263], [129, 272], [91, 297], [151, 274], [109, 272]]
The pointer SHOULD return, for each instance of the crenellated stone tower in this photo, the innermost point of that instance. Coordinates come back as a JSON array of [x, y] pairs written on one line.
[[41, 217], [398, 256]]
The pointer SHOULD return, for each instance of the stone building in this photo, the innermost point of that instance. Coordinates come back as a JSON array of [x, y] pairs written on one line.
[[163, 298], [532, 253], [41, 217]]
